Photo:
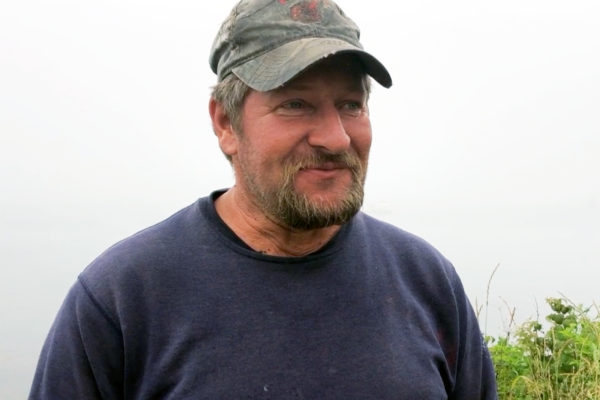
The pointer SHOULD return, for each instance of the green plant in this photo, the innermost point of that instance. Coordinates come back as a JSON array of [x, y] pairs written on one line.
[[561, 362]]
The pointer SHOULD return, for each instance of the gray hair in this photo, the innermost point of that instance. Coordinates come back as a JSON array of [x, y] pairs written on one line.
[[231, 93]]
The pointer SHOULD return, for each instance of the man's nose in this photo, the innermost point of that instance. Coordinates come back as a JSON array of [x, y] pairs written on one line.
[[329, 133]]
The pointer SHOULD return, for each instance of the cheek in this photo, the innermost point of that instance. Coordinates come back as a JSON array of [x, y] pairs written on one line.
[[257, 159], [248, 158], [267, 142], [276, 150], [361, 139]]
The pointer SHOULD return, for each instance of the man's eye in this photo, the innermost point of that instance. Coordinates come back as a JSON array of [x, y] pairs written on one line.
[[294, 105], [353, 106]]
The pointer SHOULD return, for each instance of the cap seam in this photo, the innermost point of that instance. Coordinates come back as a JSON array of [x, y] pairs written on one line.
[[234, 16], [256, 11]]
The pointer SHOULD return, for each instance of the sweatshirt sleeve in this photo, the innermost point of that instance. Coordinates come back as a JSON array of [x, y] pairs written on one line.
[[475, 379], [82, 357]]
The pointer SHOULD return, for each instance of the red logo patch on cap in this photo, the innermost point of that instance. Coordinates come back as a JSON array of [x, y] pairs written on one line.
[[307, 11]]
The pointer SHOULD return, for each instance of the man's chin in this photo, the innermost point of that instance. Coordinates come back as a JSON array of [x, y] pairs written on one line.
[[326, 199], [321, 210], [320, 182], [314, 221]]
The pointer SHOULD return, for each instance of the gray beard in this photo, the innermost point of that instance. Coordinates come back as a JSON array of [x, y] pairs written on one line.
[[295, 210]]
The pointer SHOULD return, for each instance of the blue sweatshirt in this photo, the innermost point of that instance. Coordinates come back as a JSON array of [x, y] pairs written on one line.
[[185, 310]]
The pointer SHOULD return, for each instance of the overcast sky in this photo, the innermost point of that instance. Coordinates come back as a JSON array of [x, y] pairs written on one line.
[[488, 141], [492, 104]]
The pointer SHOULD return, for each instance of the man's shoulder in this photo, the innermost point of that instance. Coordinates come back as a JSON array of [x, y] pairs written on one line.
[[389, 234], [143, 251], [407, 248]]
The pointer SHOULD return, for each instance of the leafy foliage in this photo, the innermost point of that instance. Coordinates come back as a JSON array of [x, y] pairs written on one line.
[[561, 362]]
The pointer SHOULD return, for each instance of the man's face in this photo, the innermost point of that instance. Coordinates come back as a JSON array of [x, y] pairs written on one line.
[[302, 156]]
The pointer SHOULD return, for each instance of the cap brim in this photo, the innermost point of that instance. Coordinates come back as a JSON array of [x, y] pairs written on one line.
[[271, 70]]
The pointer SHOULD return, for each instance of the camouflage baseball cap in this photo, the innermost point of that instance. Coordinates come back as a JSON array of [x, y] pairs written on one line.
[[266, 43]]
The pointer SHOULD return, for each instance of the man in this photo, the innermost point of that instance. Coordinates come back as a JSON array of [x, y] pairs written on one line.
[[278, 288]]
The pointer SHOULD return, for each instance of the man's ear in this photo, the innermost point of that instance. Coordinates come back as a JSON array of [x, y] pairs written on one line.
[[228, 139]]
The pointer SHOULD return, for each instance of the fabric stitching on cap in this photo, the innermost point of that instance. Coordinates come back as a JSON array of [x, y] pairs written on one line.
[[233, 17]]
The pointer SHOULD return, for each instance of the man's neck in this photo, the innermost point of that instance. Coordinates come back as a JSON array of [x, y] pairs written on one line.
[[264, 235]]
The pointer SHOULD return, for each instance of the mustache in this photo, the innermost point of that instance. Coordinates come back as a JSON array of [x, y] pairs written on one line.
[[343, 160]]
